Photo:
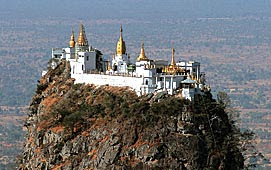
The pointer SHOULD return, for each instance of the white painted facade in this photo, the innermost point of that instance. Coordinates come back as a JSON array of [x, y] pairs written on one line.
[[147, 76], [81, 61], [134, 83], [192, 67], [119, 64], [144, 80]]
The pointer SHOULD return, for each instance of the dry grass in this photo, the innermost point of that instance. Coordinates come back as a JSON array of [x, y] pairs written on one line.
[[92, 154], [58, 129], [58, 167]]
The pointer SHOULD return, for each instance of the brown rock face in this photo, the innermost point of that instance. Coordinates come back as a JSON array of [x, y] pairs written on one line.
[[87, 127]]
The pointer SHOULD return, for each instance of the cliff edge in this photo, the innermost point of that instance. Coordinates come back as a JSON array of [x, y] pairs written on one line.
[[78, 126]]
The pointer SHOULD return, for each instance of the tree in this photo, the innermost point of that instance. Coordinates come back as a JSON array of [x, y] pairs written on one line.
[[223, 99]]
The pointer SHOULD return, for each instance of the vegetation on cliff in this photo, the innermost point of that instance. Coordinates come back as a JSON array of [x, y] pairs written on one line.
[[87, 127]]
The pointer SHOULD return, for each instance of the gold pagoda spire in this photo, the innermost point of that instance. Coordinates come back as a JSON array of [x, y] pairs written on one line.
[[142, 56], [172, 68], [121, 32], [173, 63], [109, 66], [121, 48], [72, 42], [82, 39]]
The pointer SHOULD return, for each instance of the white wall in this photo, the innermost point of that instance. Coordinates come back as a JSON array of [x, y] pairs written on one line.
[[98, 79], [76, 67], [190, 65], [121, 62]]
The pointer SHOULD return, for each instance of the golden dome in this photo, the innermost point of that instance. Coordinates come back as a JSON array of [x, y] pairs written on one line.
[[142, 56], [72, 42], [121, 48], [82, 39]]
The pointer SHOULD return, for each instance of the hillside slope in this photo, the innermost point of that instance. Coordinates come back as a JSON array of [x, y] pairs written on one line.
[[87, 127]]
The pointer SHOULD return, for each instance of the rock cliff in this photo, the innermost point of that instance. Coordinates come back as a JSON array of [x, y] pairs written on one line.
[[86, 127]]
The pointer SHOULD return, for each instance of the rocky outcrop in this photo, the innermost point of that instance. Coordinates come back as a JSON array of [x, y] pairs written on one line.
[[87, 127]]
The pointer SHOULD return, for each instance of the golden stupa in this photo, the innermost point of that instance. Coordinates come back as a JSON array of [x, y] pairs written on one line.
[[72, 42], [121, 48], [82, 39], [142, 56], [173, 63], [172, 68]]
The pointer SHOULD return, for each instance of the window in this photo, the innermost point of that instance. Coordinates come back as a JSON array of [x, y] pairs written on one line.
[[115, 67], [146, 82], [82, 67], [159, 70], [87, 58]]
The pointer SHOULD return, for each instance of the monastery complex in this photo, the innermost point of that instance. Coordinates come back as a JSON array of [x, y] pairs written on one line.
[[144, 76]]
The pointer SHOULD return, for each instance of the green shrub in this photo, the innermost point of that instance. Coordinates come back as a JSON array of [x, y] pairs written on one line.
[[72, 119], [41, 88]]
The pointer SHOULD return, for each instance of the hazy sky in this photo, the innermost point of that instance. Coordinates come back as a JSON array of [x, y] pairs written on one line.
[[79, 9]]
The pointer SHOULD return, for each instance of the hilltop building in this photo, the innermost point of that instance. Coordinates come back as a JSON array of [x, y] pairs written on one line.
[[144, 76], [120, 59]]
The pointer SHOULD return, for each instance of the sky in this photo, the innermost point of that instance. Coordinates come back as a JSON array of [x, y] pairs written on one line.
[[114, 9]]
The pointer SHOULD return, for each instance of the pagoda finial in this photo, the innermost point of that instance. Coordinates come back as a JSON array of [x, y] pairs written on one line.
[[82, 39], [142, 48], [121, 48], [121, 29], [173, 63], [142, 56], [121, 39], [72, 42]]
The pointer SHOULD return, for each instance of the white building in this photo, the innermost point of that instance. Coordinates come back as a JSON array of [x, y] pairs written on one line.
[[120, 59], [83, 58], [191, 67], [144, 77]]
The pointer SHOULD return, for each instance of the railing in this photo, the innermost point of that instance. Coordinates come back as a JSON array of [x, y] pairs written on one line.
[[150, 85]]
